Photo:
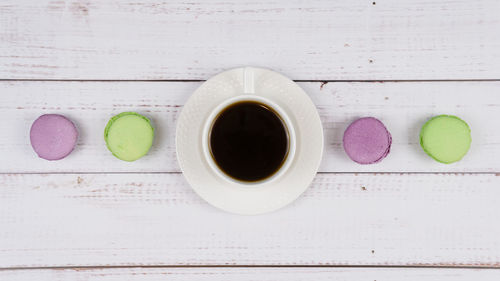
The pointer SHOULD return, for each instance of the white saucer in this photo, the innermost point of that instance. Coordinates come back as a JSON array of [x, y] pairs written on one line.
[[239, 198]]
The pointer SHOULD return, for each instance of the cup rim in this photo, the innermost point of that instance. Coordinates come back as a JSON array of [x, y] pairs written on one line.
[[275, 107]]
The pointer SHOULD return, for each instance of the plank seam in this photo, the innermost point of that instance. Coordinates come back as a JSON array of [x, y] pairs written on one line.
[[174, 173], [246, 266], [296, 80]]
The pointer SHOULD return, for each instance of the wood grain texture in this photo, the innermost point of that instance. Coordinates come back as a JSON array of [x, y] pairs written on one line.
[[99, 211], [403, 107], [248, 274], [313, 40], [342, 219]]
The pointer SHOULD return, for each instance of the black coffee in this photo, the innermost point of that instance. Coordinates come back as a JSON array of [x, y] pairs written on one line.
[[249, 141]]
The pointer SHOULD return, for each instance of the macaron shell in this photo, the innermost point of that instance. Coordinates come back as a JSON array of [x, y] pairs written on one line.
[[129, 136], [367, 141], [53, 136], [446, 138]]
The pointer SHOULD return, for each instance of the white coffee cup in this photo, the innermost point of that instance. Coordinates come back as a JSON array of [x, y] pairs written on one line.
[[248, 95]]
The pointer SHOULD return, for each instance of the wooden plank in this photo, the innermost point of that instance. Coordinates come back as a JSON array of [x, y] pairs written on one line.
[[342, 219], [404, 107], [247, 274], [317, 40]]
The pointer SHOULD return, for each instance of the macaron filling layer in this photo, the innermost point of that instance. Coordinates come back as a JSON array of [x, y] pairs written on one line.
[[367, 141], [129, 136], [53, 136], [446, 138]]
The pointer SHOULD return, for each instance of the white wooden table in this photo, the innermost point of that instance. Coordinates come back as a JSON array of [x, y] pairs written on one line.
[[93, 217]]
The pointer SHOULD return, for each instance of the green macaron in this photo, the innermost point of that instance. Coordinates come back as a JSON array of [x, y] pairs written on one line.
[[446, 138], [129, 136]]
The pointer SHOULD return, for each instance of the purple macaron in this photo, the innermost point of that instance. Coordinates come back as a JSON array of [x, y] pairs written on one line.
[[53, 136], [367, 141]]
